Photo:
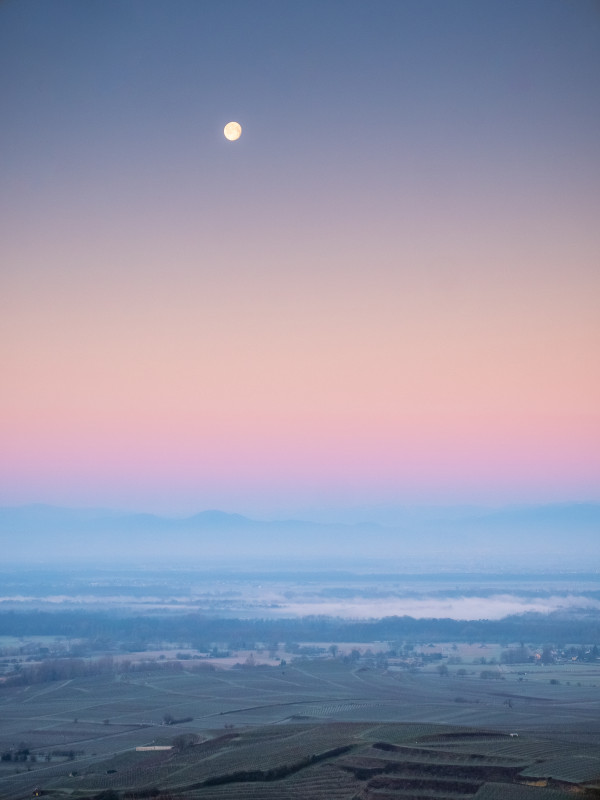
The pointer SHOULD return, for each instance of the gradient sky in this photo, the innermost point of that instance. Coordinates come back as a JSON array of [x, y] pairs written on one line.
[[387, 291]]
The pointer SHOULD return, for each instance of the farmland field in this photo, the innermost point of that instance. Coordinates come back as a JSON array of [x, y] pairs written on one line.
[[312, 728]]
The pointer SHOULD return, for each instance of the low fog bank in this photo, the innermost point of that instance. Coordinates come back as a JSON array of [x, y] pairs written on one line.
[[462, 608], [277, 595]]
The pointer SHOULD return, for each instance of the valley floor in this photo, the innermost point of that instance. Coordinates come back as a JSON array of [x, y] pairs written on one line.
[[310, 729]]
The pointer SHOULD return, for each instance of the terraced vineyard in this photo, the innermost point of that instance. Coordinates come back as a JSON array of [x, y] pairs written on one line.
[[312, 731], [340, 761], [504, 791]]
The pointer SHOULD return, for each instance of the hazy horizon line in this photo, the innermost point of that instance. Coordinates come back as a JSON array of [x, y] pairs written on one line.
[[283, 515]]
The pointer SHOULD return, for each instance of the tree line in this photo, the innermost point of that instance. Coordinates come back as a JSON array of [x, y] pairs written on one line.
[[103, 630]]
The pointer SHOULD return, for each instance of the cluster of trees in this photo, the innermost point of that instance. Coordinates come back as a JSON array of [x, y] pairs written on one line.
[[169, 719], [516, 655], [60, 669], [491, 674], [588, 654], [23, 753]]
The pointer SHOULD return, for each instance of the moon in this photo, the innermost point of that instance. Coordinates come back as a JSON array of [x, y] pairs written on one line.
[[232, 131]]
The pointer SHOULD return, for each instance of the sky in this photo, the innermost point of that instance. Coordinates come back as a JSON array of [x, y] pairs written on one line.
[[385, 292]]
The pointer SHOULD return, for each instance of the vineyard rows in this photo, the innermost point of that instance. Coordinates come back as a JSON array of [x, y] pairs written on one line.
[[572, 769], [403, 753], [266, 706], [320, 782], [511, 791], [405, 732]]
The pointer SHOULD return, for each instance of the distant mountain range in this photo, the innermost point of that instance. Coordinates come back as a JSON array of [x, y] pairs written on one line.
[[528, 537]]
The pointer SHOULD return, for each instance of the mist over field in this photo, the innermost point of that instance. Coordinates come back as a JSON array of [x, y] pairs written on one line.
[[274, 594], [455, 563]]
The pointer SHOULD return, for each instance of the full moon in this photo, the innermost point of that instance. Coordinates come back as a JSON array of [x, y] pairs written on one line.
[[232, 131]]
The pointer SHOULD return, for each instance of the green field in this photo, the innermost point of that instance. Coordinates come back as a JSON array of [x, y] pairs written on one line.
[[312, 729]]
